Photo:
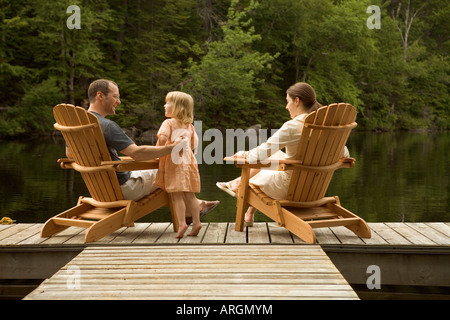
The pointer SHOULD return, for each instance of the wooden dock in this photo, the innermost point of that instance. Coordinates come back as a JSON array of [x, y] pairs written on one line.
[[409, 254], [383, 234], [198, 272]]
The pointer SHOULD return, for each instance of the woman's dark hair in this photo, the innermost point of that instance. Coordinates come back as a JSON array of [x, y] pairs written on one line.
[[306, 94]]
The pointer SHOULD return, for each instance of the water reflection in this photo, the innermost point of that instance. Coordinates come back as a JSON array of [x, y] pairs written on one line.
[[398, 177]]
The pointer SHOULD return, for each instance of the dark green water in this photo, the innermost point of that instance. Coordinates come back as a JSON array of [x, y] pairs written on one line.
[[398, 177]]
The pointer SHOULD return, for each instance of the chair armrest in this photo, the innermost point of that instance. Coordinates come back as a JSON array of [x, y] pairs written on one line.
[[290, 164], [347, 162], [66, 163], [126, 164]]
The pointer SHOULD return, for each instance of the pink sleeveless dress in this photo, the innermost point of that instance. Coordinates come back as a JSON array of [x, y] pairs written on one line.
[[178, 171]]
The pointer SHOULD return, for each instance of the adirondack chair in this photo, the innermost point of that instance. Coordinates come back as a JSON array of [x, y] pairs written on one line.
[[106, 210], [319, 154]]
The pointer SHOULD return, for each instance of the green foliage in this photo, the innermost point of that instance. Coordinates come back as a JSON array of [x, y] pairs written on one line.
[[236, 57], [225, 81]]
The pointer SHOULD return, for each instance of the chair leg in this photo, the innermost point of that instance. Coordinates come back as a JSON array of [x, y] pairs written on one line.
[[360, 228], [105, 226], [241, 202], [50, 228], [240, 215]]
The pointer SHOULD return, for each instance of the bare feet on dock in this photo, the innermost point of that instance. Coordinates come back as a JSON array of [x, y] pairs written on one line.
[[195, 230], [181, 230]]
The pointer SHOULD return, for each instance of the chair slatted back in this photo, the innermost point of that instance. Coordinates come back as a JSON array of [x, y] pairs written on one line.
[[84, 137], [322, 143]]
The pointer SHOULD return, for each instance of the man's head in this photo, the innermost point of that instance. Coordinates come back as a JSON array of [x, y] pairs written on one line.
[[104, 96]]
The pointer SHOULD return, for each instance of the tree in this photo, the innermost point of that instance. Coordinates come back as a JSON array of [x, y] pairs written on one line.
[[157, 38], [57, 60], [225, 81]]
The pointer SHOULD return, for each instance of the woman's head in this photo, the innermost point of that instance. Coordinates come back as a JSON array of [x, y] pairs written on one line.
[[303, 93], [180, 105]]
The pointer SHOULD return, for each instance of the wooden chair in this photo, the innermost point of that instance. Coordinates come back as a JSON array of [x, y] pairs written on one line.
[[320, 153], [106, 210]]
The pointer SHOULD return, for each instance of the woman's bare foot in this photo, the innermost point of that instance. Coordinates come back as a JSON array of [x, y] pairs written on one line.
[[195, 230], [249, 217], [235, 184], [181, 230]]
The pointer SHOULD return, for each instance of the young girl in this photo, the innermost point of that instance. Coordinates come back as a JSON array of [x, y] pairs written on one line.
[[178, 172]]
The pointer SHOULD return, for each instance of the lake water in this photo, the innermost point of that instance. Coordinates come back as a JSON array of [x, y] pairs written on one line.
[[398, 177]]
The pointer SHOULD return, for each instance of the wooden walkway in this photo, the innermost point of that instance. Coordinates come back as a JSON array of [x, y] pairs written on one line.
[[235, 272], [264, 259], [435, 234]]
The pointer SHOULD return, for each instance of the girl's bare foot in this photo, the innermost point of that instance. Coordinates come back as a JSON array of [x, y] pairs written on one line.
[[181, 230], [195, 230]]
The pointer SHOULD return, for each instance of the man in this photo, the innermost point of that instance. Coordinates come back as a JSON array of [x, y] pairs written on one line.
[[104, 97]]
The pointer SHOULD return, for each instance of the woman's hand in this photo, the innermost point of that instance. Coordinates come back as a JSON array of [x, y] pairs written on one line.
[[241, 155]]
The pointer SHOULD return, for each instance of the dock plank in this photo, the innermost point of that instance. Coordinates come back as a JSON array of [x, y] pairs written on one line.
[[346, 236], [326, 236], [375, 238], [215, 233], [64, 236], [152, 233], [15, 233], [130, 234], [441, 227], [199, 272], [410, 233], [234, 236], [24, 235], [279, 235], [258, 233], [391, 236], [431, 233]]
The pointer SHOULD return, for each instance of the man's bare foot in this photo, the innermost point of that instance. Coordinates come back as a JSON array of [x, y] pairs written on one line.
[[207, 206], [195, 230], [181, 230]]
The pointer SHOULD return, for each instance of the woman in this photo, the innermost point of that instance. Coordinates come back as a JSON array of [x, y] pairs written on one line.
[[301, 100]]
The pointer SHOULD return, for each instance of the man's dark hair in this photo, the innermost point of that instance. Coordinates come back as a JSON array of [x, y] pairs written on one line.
[[101, 85]]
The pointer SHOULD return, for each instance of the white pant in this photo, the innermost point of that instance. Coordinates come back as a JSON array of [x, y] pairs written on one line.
[[140, 184]]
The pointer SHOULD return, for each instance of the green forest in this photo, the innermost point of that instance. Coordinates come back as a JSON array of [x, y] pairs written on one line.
[[237, 58]]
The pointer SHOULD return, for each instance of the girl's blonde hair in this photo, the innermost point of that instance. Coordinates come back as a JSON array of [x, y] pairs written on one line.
[[183, 106]]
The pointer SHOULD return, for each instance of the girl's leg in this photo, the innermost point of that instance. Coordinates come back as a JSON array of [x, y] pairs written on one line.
[[180, 209], [192, 207]]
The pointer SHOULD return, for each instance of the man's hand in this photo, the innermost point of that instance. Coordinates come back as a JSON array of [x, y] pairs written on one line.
[[182, 141]]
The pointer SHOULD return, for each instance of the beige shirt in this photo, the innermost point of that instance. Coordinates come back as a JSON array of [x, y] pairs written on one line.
[[288, 136]]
